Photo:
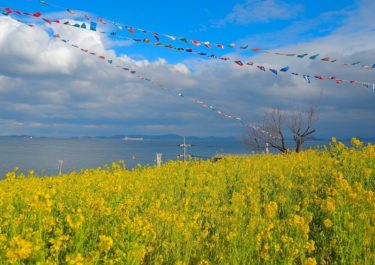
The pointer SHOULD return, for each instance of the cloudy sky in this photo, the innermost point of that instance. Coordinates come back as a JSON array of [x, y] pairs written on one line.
[[49, 88]]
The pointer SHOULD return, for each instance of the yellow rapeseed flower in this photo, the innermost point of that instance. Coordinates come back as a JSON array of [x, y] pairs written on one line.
[[328, 223]]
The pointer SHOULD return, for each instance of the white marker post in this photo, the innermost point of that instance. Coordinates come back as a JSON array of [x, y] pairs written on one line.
[[158, 159], [60, 165]]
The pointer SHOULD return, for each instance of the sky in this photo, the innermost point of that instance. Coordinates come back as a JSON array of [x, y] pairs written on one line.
[[48, 88]]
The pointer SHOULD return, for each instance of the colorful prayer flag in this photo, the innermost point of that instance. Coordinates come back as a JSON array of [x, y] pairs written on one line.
[[207, 44], [71, 12], [93, 26], [37, 14], [102, 21], [170, 37], [239, 63], [307, 78], [285, 69], [274, 71], [302, 55], [130, 29], [195, 42]]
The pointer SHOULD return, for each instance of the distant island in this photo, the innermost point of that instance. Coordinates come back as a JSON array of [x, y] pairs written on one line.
[[126, 138], [141, 137]]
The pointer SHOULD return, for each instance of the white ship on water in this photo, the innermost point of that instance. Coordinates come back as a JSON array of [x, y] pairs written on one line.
[[132, 139]]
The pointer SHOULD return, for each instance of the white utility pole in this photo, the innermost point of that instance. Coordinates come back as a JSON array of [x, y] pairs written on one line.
[[184, 147]]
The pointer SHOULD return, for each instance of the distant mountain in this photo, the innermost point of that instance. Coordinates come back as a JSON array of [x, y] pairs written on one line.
[[146, 137], [165, 137], [17, 136]]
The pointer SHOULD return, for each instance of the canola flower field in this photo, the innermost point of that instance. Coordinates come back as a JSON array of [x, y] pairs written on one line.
[[314, 207]]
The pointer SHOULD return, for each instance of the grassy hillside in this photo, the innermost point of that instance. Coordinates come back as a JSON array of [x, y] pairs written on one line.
[[315, 207]]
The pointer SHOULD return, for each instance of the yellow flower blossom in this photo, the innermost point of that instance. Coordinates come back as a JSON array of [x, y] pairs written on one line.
[[105, 243], [310, 261], [328, 223]]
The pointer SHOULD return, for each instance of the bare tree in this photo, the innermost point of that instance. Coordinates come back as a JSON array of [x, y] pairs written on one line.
[[277, 125], [301, 127]]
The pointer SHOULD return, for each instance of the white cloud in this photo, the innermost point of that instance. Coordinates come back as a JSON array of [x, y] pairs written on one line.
[[261, 11]]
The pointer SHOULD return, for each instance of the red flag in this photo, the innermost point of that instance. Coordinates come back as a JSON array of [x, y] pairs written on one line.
[[339, 81], [250, 63], [101, 57], [8, 10], [239, 63], [319, 77], [255, 49], [195, 42], [101, 20], [87, 17], [220, 46], [37, 14], [57, 21], [261, 68], [130, 29], [326, 59], [17, 12]]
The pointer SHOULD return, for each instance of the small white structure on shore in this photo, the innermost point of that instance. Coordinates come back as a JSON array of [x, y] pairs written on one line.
[[159, 159]]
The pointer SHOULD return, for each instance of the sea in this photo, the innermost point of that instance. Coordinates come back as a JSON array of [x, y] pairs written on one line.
[[47, 156]]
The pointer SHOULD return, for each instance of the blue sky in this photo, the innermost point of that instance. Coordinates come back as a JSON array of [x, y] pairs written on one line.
[[49, 89], [210, 20]]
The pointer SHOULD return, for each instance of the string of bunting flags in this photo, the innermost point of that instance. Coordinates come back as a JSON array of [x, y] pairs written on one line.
[[207, 44], [92, 27]]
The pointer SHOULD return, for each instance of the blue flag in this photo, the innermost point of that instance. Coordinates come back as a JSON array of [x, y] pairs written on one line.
[[273, 71], [93, 26], [285, 69], [307, 78]]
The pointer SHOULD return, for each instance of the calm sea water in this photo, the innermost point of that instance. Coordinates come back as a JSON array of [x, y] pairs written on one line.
[[43, 155]]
